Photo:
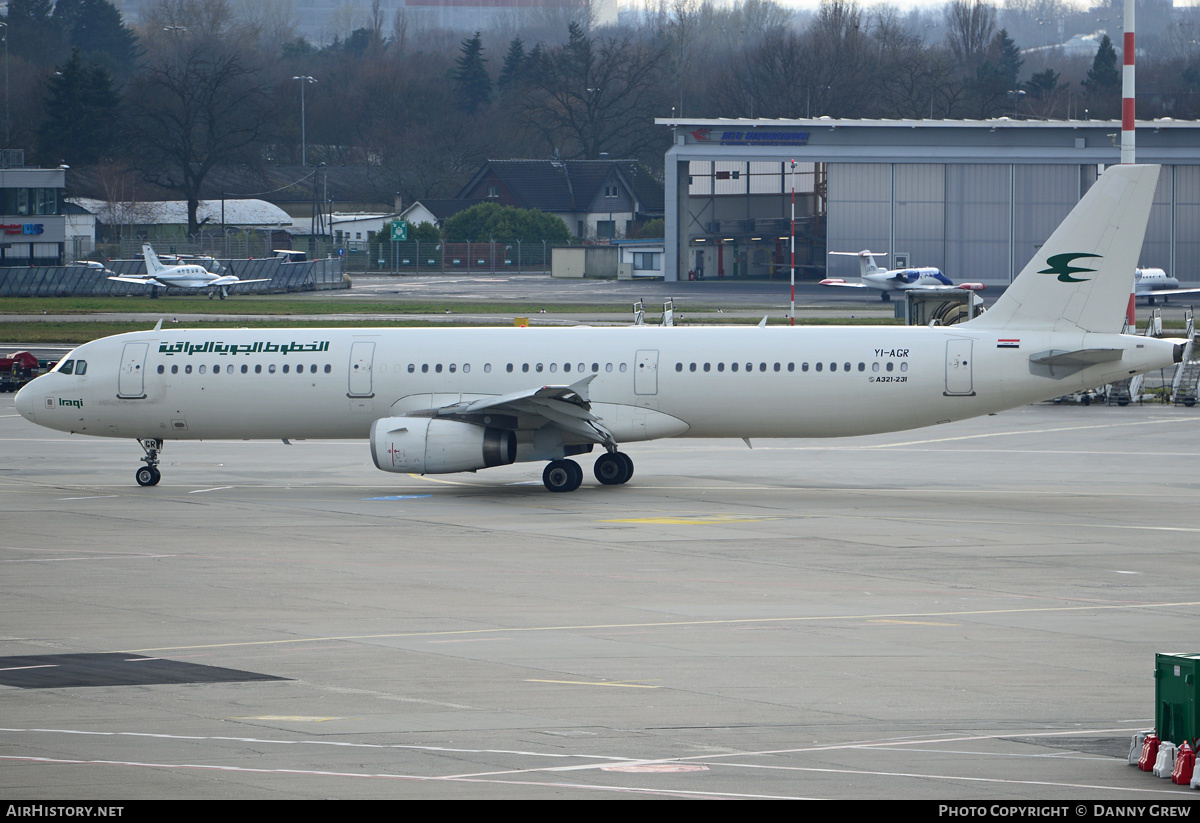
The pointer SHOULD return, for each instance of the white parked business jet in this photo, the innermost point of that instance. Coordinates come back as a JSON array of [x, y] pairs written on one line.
[[1155, 284], [182, 276], [458, 399], [886, 281]]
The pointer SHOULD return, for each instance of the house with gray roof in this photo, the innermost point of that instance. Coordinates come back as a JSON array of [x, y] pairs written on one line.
[[597, 199]]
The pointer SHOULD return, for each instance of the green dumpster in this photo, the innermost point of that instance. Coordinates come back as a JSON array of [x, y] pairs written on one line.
[[1175, 685]]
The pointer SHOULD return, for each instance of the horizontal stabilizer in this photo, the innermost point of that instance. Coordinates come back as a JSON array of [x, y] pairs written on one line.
[[1061, 363], [1080, 357]]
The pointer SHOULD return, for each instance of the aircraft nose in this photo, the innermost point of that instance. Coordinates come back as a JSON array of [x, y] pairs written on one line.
[[24, 402]]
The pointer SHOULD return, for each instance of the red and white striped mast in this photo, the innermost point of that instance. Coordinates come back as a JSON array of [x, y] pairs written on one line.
[[1127, 113], [1127, 91], [793, 244]]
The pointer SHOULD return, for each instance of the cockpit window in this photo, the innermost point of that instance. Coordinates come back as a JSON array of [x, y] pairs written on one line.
[[80, 367], [67, 367]]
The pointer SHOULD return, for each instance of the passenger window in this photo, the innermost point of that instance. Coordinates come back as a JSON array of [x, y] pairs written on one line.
[[424, 368], [187, 369], [525, 367], [819, 365], [904, 366], [720, 367], [707, 366], [862, 366], [161, 369], [890, 366], [271, 368], [203, 369], [803, 367], [692, 367], [538, 367], [438, 368], [763, 367], [487, 368], [329, 368], [216, 369], [875, 367], [412, 367], [245, 368], [678, 367], [846, 366], [833, 366], [466, 368], [596, 368], [174, 370], [791, 366], [624, 366], [608, 367], [554, 367], [733, 366], [258, 368], [566, 366], [285, 368]]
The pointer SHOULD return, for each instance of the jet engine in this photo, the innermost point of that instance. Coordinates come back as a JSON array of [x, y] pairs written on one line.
[[427, 445]]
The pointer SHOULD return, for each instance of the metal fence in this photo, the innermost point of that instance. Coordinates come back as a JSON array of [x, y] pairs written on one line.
[[66, 281], [417, 257]]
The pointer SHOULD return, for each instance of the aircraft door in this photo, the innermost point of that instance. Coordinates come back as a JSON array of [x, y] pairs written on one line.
[[958, 367], [645, 372], [131, 384], [362, 354]]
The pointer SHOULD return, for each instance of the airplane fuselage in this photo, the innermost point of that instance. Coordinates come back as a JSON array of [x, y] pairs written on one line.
[[648, 382]]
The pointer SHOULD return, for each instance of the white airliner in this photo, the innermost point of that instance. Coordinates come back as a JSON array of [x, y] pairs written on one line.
[[456, 399], [887, 281], [183, 276]]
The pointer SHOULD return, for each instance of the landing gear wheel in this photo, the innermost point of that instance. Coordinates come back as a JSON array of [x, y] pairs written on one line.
[[149, 475], [562, 476], [613, 468]]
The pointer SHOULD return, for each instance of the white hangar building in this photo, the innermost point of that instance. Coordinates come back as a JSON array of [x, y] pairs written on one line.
[[972, 197]]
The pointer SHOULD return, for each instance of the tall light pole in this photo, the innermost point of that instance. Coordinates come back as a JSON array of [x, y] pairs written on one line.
[[304, 81]]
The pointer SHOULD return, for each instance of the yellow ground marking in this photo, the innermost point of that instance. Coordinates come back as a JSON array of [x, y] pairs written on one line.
[[591, 683], [744, 621]]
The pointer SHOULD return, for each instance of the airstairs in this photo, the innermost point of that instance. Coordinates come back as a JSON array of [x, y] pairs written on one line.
[[1187, 371], [1129, 390]]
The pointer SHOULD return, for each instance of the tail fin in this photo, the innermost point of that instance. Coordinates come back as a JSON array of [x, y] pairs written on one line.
[[1080, 279], [153, 265]]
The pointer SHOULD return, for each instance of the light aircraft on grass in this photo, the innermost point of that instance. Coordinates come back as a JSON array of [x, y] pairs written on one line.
[[443, 400], [886, 281], [182, 276]]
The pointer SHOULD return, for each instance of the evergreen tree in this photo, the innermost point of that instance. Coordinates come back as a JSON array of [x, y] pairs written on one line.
[[33, 33], [1102, 85], [514, 65], [471, 77], [96, 29], [82, 111]]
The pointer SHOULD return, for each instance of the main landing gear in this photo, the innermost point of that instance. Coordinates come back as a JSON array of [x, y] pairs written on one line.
[[149, 475], [612, 469]]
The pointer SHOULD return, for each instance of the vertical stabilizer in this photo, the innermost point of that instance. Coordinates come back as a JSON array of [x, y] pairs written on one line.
[[1080, 279], [153, 265]]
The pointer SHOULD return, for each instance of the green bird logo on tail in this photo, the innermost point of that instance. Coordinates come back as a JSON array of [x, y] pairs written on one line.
[[1060, 264]]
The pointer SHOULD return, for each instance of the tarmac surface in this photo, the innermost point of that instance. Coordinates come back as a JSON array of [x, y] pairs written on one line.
[[962, 612]]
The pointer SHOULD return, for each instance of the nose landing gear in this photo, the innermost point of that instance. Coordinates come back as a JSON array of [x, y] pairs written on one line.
[[149, 475]]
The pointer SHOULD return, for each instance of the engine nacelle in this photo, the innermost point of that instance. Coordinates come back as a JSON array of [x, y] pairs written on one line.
[[427, 445], [972, 286]]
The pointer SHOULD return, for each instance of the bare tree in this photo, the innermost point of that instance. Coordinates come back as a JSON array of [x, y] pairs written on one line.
[[198, 105], [970, 26], [595, 94]]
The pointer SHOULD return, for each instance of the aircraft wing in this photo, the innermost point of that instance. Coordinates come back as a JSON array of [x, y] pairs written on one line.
[[839, 283], [230, 280], [141, 281], [565, 407]]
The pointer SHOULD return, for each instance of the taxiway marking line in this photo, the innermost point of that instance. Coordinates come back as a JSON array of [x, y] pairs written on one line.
[[413, 777], [676, 623], [592, 683]]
